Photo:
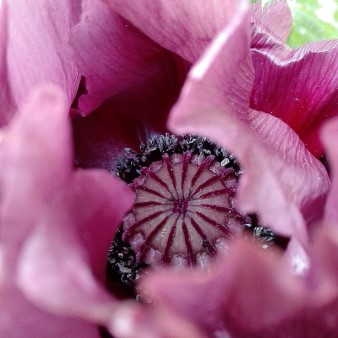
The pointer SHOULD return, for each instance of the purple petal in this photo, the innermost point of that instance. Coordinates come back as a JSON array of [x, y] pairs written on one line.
[[298, 86], [37, 46], [215, 69], [6, 110], [280, 176], [330, 139], [183, 27], [101, 137]]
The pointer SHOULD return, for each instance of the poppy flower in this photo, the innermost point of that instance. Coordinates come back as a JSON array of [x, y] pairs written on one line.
[[130, 68]]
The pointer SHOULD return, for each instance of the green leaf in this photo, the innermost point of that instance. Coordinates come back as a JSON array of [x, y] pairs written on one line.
[[313, 20]]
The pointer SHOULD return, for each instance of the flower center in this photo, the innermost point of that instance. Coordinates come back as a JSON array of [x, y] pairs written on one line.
[[183, 211]]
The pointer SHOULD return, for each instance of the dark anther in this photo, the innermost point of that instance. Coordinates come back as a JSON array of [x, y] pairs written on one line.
[[128, 167], [122, 268]]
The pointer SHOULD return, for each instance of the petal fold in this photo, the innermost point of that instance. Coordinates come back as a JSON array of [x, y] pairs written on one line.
[[185, 28], [118, 60], [298, 86]]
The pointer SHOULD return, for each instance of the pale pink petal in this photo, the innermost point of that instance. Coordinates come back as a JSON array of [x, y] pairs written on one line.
[[34, 166], [183, 27], [251, 294], [275, 16], [244, 294], [280, 176], [20, 318], [119, 59], [297, 258], [55, 226], [263, 37], [298, 86], [324, 262], [35, 157], [63, 263], [133, 320], [302, 181], [37, 46]]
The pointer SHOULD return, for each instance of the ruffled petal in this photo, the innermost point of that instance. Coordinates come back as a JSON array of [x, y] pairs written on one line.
[[37, 46], [301, 180], [251, 294], [298, 86], [275, 16], [185, 28], [280, 176], [246, 293], [120, 60]]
